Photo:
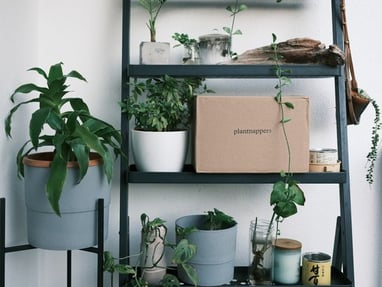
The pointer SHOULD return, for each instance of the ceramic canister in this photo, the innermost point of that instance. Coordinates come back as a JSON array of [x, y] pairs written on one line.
[[286, 261]]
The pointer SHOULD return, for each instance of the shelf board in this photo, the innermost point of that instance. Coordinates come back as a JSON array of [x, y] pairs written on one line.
[[241, 273], [233, 71], [188, 175]]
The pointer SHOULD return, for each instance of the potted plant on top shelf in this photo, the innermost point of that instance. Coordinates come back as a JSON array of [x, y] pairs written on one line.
[[66, 181], [162, 112], [153, 52]]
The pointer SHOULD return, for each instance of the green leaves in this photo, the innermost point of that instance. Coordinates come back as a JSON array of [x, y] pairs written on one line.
[[73, 132], [284, 198], [217, 219], [162, 104], [153, 7], [286, 194]]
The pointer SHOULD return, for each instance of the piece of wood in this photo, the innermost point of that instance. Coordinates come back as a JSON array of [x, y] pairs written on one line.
[[297, 50]]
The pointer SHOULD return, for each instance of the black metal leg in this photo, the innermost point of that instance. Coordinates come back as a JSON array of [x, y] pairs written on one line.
[[99, 249], [2, 242], [101, 220], [69, 268]]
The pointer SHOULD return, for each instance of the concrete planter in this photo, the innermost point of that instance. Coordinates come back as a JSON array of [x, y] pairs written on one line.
[[76, 228], [215, 256], [154, 53]]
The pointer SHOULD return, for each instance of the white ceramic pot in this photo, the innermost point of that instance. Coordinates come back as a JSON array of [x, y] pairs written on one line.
[[159, 151]]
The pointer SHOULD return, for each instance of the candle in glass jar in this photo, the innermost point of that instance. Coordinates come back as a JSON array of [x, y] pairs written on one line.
[[287, 257]]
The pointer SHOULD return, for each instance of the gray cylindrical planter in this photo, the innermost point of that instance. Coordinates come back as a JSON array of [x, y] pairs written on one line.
[[76, 228], [215, 256]]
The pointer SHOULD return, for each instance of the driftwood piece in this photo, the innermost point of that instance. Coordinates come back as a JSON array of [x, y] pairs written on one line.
[[298, 51]]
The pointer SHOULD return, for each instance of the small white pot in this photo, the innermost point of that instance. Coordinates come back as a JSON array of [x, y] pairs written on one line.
[[159, 151], [154, 53]]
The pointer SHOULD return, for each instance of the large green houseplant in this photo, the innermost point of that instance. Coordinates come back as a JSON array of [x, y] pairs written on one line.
[[161, 107], [75, 137]]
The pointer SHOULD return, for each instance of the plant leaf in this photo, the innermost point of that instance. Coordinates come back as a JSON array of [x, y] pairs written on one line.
[[56, 180]]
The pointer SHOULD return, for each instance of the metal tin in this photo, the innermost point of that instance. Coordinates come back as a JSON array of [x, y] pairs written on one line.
[[323, 156], [316, 269]]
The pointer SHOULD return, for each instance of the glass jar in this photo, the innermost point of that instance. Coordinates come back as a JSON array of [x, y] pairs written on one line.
[[191, 54], [261, 240], [287, 259]]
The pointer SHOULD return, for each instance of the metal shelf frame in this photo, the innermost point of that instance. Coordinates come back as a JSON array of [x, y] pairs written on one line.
[[99, 250], [343, 254]]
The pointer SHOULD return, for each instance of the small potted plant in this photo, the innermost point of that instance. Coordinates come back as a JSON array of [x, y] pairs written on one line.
[[162, 112], [191, 48], [153, 52], [214, 235], [151, 269], [216, 48], [66, 181]]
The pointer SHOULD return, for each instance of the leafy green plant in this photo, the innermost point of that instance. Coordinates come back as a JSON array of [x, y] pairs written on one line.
[[112, 265], [162, 104], [153, 7], [217, 219], [184, 40], [234, 10], [74, 133]]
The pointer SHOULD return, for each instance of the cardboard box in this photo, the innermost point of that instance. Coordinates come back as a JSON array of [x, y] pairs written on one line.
[[236, 134]]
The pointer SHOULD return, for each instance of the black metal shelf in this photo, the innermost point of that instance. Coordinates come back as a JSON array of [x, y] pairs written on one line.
[[343, 255], [233, 71], [338, 279], [190, 176], [98, 250]]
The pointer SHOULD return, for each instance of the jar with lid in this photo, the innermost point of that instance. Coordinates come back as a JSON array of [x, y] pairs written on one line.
[[287, 258], [214, 48], [261, 240]]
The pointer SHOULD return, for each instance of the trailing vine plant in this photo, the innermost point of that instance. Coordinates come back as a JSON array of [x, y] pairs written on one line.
[[375, 138], [286, 194], [234, 10]]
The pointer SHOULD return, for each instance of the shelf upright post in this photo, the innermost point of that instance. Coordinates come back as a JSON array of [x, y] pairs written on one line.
[[346, 241], [2, 242], [123, 194]]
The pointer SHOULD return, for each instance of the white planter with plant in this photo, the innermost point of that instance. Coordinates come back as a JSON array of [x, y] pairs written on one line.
[[168, 153], [162, 110], [153, 52], [77, 170]]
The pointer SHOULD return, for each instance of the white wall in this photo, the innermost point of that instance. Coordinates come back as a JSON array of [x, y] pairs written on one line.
[[86, 36]]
